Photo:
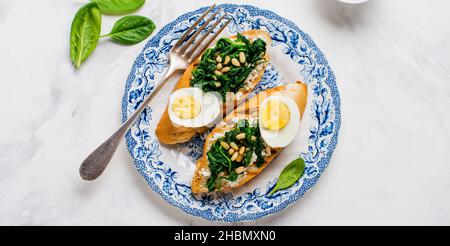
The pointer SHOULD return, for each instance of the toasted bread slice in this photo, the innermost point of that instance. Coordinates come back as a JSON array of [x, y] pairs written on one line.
[[297, 91], [167, 133]]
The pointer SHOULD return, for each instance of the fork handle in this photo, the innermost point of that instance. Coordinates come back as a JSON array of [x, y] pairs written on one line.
[[94, 165]]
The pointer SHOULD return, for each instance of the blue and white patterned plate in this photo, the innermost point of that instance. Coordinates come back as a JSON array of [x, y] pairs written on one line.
[[168, 170]]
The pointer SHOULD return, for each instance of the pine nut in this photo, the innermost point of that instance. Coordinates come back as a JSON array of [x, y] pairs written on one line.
[[227, 60], [268, 150], [253, 138], [235, 62], [225, 69], [234, 145], [242, 57], [240, 170], [239, 158], [221, 174], [218, 72], [219, 66], [242, 150], [224, 145], [260, 62], [218, 59], [230, 151], [240, 136], [234, 156], [217, 84]]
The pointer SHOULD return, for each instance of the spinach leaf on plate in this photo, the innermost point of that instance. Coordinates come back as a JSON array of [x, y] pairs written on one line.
[[206, 75], [290, 174], [220, 161]]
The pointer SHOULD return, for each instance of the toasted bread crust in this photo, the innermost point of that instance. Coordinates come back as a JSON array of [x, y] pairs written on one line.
[[297, 91], [167, 133]]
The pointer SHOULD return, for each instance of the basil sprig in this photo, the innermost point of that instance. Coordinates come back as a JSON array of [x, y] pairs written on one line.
[[290, 174]]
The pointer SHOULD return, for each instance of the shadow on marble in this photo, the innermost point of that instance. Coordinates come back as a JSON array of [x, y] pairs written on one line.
[[343, 15]]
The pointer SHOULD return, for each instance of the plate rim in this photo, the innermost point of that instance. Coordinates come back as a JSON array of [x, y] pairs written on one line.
[[324, 161]]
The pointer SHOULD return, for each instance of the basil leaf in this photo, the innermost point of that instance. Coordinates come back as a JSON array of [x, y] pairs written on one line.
[[118, 7], [131, 29], [84, 33], [290, 174]]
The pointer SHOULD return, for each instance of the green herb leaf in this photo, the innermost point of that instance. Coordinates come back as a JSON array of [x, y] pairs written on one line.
[[118, 7], [84, 33], [131, 29], [233, 79], [219, 159], [290, 174], [233, 176]]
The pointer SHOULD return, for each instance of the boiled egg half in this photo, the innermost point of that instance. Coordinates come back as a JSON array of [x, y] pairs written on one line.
[[191, 107], [279, 120]]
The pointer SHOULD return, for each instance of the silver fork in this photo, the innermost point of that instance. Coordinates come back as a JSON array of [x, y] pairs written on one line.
[[184, 52]]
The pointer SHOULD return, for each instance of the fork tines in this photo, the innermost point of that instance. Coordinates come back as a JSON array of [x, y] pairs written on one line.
[[188, 45]]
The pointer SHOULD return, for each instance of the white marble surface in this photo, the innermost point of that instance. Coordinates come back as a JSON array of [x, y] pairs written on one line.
[[391, 165]]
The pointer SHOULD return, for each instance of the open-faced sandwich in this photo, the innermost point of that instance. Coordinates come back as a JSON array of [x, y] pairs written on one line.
[[229, 71], [249, 138]]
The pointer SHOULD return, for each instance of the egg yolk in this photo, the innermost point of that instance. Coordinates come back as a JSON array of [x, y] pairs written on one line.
[[275, 115], [185, 107]]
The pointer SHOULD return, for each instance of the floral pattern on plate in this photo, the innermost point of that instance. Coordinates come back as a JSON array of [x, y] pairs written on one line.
[[154, 162]]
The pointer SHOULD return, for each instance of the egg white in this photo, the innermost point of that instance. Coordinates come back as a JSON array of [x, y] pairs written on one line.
[[210, 107], [284, 136]]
